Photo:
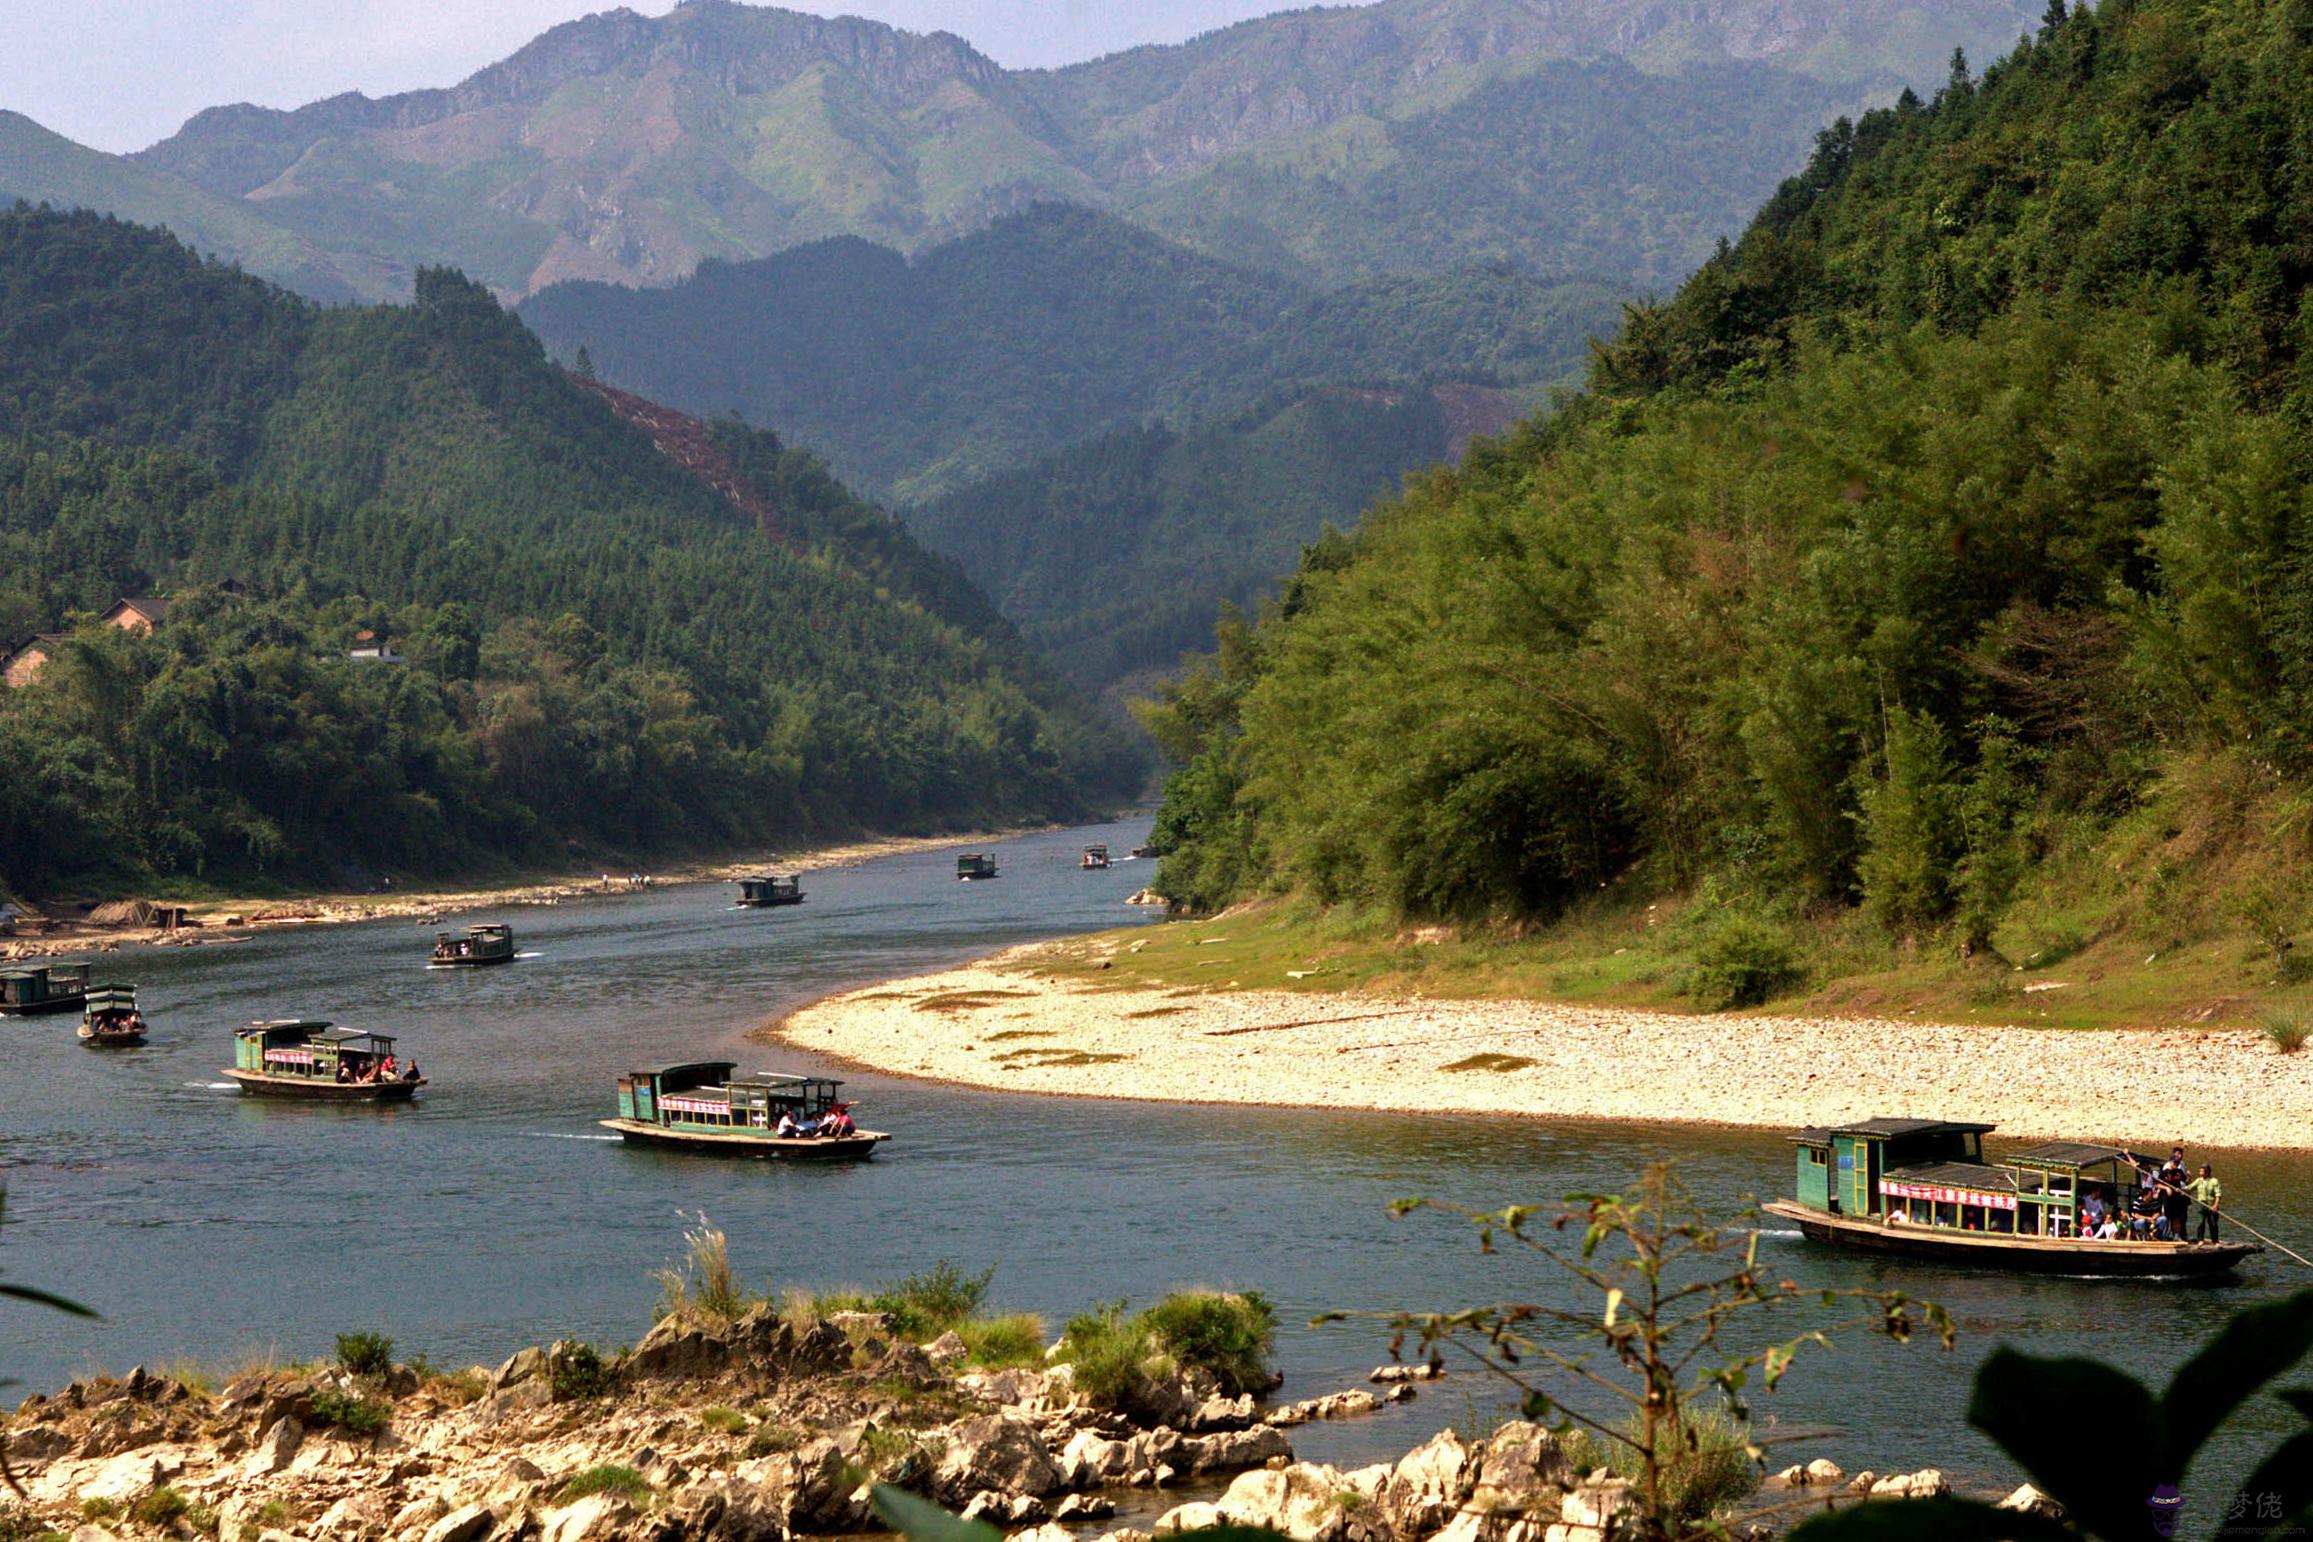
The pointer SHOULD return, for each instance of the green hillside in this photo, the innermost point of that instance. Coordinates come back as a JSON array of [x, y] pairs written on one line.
[[44, 167], [917, 377], [1114, 555], [607, 653], [1925, 581]]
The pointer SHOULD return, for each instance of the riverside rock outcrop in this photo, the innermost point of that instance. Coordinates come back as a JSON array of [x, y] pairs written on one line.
[[757, 1429]]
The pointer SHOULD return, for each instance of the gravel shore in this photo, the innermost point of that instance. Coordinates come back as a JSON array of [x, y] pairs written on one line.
[[1005, 1023]]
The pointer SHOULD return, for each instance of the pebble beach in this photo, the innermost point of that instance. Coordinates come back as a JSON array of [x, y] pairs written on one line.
[[1006, 1022]]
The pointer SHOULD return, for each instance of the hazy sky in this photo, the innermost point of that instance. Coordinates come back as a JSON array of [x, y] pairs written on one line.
[[119, 74]]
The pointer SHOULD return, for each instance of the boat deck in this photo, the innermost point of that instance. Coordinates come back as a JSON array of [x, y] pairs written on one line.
[[744, 1142], [2046, 1255]]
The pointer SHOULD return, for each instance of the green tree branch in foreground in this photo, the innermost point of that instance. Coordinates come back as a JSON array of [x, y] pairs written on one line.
[[1658, 1358]]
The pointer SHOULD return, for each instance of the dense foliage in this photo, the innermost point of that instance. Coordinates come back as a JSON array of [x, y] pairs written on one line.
[[604, 651], [1049, 326], [1113, 555], [1954, 516]]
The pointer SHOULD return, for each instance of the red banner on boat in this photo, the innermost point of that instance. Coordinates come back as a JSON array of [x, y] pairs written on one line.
[[694, 1106], [290, 1056], [1942, 1195]]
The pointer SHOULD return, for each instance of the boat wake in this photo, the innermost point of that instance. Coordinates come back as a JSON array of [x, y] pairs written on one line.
[[566, 1135], [216, 1086], [532, 954], [1777, 1231]]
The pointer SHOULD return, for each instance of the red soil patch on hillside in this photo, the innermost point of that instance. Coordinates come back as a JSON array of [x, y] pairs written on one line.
[[689, 443]]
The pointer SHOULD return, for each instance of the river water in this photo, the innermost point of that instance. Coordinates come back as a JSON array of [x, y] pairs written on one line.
[[495, 1213]]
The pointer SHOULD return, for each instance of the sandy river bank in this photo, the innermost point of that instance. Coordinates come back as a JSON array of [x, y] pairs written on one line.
[[1007, 1023], [234, 920]]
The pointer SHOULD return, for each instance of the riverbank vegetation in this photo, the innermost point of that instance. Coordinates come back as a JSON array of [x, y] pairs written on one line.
[[1912, 609], [596, 649]]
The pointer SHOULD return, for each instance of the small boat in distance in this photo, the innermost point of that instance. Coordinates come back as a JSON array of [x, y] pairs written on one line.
[[1921, 1188], [1144, 853], [1095, 857], [703, 1107], [111, 1016], [975, 865], [489, 943], [763, 893], [58, 985], [311, 1058]]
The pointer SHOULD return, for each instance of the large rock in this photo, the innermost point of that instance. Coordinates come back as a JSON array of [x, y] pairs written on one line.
[[276, 1448], [1338, 1405], [594, 1517], [521, 1366], [464, 1524], [1221, 1413], [1927, 1483], [36, 1443], [1303, 1501], [1591, 1511], [1231, 1449], [2030, 1501], [678, 1348], [996, 1451], [1431, 1482], [1520, 1472], [1090, 1458], [1196, 1516]]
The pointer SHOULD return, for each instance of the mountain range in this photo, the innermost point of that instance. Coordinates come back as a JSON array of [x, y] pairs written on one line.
[[1331, 144]]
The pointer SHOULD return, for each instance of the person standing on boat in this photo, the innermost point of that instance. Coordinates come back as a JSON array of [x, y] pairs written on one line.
[[2210, 1196], [2176, 1205]]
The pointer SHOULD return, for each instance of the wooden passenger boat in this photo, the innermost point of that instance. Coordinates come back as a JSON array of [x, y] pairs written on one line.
[[1922, 1188], [975, 865], [111, 1016], [1095, 857], [765, 893], [310, 1058], [490, 943], [58, 985], [703, 1107]]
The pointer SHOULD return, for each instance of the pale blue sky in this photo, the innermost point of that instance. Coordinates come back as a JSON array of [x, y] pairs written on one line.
[[120, 74]]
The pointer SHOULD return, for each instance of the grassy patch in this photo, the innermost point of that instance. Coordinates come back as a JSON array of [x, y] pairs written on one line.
[[2288, 1028], [927, 1304], [605, 1478], [966, 1001], [1021, 1033], [702, 1285], [772, 1439], [723, 1421], [1703, 1470], [1156, 1012], [351, 1412], [578, 1372], [1489, 1062], [1117, 1358], [995, 1342], [1047, 1057]]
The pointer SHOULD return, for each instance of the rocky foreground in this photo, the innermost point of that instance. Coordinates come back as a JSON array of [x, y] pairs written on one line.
[[756, 1430]]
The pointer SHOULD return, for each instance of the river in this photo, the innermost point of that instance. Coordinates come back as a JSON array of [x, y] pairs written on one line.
[[494, 1213]]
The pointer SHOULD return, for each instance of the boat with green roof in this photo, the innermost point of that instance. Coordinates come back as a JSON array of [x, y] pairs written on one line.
[[1923, 1188], [703, 1106], [317, 1060], [111, 1017], [55, 985]]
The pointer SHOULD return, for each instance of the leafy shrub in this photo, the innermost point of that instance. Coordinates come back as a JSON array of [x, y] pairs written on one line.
[[160, 1508], [1015, 1339], [727, 1421], [578, 1372], [1704, 1467], [17, 1524], [772, 1439], [1744, 962], [1110, 1354], [1227, 1334], [2288, 1028], [942, 1297], [605, 1478], [365, 1354], [99, 1509], [351, 1412]]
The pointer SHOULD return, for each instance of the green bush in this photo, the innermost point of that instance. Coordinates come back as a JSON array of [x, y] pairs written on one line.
[[1705, 1470], [771, 1439], [1118, 1358], [1228, 1334], [578, 1372], [928, 1304], [351, 1412], [365, 1354], [727, 1421], [1015, 1339], [2288, 1028], [160, 1508], [1744, 961], [605, 1478]]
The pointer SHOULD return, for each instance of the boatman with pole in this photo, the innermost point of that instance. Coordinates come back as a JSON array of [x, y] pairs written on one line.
[[2210, 1196]]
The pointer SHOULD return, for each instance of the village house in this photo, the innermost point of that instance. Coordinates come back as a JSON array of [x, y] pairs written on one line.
[[22, 666], [137, 613]]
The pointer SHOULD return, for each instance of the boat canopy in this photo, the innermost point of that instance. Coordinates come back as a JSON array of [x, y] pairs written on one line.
[[2065, 1156], [1889, 1129], [112, 998], [488, 929]]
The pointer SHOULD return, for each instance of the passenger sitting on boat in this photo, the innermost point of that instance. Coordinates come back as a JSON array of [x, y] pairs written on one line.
[[788, 1129], [2144, 1215], [344, 1072], [2108, 1232], [410, 1073], [385, 1071], [2092, 1209], [838, 1121]]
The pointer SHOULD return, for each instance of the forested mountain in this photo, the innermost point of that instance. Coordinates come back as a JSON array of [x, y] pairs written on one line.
[[1115, 555], [1570, 136], [613, 644], [1938, 556], [914, 378]]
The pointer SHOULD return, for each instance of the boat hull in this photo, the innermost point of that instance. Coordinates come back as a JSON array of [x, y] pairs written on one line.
[[474, 963], [108, 1040], [2026, 1255], [751, 1143], [258, 1084], [769, 904], [41, 1008]]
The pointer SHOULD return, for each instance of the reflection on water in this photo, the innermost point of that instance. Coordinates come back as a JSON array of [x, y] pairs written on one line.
[[494, 1213]]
